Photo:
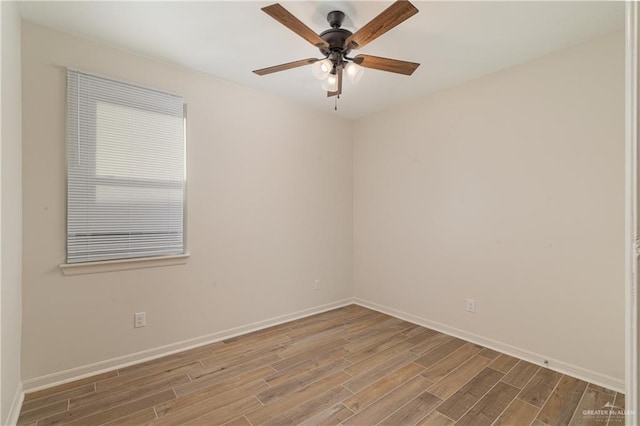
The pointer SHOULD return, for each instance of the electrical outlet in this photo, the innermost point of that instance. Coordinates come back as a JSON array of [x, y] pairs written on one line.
[[316, 285], [471, 305], [139, 319]]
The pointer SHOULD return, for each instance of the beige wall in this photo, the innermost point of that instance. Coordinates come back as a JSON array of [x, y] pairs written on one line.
[[269, 210], [507, 190], [11, 210]]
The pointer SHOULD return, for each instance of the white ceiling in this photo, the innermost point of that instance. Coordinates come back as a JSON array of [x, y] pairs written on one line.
[[453, 41]]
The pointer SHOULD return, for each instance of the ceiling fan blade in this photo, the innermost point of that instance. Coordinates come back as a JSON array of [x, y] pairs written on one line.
[[392, 16], [339, 92], [282, 15], [286, 66], [386, 64]]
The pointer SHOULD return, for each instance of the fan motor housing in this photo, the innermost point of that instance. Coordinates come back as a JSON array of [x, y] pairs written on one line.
[[336, 38]]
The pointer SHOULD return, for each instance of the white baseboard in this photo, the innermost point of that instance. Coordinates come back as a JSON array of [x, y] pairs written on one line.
[[89, 370], [16, 406], [535, 358], [73, 374]]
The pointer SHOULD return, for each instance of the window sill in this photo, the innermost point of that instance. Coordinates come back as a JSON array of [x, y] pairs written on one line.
[[123, 264]]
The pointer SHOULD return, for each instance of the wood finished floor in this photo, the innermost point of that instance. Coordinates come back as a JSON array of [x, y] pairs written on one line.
[[349, 366]]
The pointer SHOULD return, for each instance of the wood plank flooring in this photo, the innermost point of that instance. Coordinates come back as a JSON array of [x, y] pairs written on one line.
[[349, 366]]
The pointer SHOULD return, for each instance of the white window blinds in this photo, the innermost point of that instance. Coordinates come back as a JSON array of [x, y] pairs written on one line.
[[125, 170]]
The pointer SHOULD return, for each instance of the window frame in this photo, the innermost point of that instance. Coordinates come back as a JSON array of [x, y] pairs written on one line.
[[77, 268]]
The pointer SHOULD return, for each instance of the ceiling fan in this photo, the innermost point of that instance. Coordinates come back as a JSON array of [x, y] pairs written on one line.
[[336, 43]]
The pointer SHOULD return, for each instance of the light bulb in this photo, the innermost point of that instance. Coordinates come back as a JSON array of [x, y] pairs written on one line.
[[321, 69], [354, 72], [331, 83]]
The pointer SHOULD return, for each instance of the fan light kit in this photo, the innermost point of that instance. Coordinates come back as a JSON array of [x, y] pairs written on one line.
[[336, 43]]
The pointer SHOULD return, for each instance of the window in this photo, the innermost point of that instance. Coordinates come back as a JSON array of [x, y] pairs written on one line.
[[125, 170]]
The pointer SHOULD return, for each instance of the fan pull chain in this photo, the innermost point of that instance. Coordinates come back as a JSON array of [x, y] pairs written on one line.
[[335, 107]]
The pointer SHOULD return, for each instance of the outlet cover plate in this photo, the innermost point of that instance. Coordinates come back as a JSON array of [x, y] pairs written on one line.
[[139, 319], [471, 305]]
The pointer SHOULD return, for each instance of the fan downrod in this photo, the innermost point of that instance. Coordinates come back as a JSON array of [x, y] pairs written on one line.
[[335, 36], [335, 18]]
